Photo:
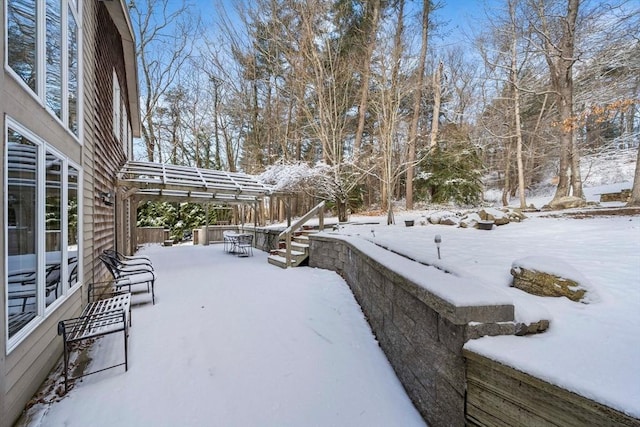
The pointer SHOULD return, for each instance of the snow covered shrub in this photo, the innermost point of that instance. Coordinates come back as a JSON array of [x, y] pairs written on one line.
[[451, 173], [179, 218]]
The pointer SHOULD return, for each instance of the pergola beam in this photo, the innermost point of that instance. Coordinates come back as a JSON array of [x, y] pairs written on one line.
[[159, 181]]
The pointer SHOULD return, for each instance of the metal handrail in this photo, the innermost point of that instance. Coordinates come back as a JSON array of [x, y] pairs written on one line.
[[287, 233]]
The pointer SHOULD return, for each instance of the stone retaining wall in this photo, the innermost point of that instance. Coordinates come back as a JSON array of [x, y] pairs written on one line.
[[420, 330]]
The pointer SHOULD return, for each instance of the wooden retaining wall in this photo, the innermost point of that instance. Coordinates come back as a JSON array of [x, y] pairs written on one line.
[[498, 395]]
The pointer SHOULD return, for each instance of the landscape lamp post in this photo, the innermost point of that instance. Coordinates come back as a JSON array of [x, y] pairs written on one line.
[[438, 240]]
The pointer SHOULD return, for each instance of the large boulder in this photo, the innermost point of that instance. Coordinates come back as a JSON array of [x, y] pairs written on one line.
[[566, 202], [470, 220], [444, 218], [549, 277], [497, 216]]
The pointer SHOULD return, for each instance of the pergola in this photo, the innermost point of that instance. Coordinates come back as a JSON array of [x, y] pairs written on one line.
[[159, 181], [145, 181]]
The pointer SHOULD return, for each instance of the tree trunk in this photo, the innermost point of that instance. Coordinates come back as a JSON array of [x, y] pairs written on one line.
[[507, 175], [366, 72], [635, 190], [576, 179], [437, 97], [516, 107], [216, 115], [560, 59], [413, 131]]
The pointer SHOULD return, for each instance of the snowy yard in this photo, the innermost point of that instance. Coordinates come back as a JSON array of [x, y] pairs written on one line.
[[238, 342], [592, 349]]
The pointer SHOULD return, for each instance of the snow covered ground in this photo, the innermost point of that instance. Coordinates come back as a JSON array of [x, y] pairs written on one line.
[[238, 342], [592, 349]]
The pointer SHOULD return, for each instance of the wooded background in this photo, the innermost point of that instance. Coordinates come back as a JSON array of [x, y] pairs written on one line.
[[355, 99]]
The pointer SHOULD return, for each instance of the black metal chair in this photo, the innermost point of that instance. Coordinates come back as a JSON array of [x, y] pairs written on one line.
[[130, 276], [129, 261], [245, 244]]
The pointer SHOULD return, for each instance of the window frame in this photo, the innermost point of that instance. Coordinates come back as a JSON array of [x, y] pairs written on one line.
[[42, 310], [40, 92]]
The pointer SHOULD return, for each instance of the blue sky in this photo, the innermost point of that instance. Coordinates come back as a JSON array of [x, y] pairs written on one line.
[[456, 15]]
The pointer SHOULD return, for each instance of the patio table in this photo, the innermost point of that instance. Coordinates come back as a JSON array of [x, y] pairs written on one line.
[[232, 240]]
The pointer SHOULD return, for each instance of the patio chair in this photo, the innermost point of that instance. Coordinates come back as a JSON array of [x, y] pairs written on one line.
[[130, 276], [132, 261], [229, 241], [245, 244]]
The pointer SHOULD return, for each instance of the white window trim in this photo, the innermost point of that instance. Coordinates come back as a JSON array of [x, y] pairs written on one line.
[[39, 95], [42, 311]]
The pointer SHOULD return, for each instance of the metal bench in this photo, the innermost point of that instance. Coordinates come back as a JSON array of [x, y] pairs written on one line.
[[101, 317]]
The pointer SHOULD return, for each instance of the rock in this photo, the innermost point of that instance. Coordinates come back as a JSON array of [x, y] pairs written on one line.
[[476, 330], [516, 215], [450, 220], [470, 220], [502, 221], [531, 279], [437, 217], [567, 202], [531, 328], [497, 216]]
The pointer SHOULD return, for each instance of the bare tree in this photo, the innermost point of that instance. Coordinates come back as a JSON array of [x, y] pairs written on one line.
[[417, 101], [514, 80], [164, 39], [506, 53], [373, 9], [556, 32]]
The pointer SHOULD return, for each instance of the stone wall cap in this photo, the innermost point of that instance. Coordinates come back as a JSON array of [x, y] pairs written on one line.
[[459, 299]]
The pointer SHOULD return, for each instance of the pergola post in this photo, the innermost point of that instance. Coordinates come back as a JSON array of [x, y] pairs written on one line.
[[119, 221], [133, 224], [206, 226]]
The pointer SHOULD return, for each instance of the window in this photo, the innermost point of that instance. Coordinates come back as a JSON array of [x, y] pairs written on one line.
[[125, 131], [53, 227], [116, 106], [43, 45], [21, 36], [22, 236], [54, 56], [72, 225], [72, 74], [41, 205]]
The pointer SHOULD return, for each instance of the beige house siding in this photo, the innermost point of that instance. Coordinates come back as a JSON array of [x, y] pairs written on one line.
[[108, 154], [89, 17], [24, 369], [29, 364]]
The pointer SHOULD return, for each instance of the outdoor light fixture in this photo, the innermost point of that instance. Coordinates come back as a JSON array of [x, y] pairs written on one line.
[[438, 240], [106, 198]]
